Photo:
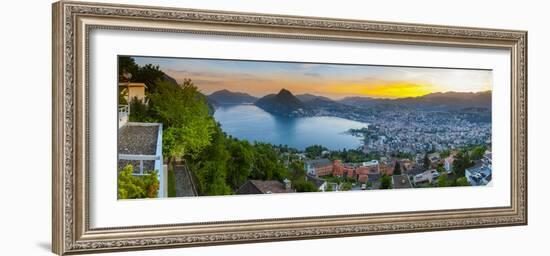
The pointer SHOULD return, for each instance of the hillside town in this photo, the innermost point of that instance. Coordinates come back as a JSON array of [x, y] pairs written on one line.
[[450, 168], [429, 170], [170, 143]]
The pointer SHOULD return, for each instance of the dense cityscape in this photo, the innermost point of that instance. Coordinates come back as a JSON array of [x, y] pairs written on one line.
[[421, 131]]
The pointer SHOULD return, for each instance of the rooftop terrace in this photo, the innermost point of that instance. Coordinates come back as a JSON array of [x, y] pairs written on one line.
[[138, 139]]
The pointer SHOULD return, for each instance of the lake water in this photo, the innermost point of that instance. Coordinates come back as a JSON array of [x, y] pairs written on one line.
[[254, 124]]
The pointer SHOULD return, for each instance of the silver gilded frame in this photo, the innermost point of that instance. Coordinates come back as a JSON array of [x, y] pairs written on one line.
[[72, 23]]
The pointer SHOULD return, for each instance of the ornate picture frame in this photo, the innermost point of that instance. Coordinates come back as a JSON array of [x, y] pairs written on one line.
[[72, 24]]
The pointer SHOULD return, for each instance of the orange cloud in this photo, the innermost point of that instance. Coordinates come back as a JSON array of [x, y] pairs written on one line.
[[381, 89]]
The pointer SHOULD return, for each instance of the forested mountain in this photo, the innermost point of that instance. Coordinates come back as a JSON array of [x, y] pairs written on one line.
[[226, 97], [284, 104]]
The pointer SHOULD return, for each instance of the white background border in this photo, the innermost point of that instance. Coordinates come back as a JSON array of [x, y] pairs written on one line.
[[106, 211]]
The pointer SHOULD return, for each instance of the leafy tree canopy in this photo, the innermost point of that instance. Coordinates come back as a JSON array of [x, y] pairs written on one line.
[[240, 163], [462, 181], [478, 152], [461, 162], [353, 156], [210, 167], [346, 186], [184, 113], [443, 180], [397, 168], [267, 164], [304, 186], [315, 151], [130, 186], [385, 182], [139, 111], [149, 74]]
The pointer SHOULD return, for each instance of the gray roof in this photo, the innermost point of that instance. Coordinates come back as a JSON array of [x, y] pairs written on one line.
[[318, 182], [319, 162], [263, 187], [401, 181], [485, 173], [374, 176], [138, 139]]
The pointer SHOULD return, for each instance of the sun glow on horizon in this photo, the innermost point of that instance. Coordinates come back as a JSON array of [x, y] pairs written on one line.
[[336, 81], [383, 89]]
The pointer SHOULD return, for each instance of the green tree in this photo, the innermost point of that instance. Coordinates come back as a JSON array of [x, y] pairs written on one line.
[[397, 168], [462, 181], [353, 156], [184, 113], [366, 157], [304, 186], [210, 166], [369, 184], [267, 164], [385, 182], [150, 75], [126, 65], [400, 154], [130, 186], [240, 163], [171, 183], [478, 152], [122, 95], [443, 180], [440, 168], [445, 153], [314, 151], [461, 162], [138, 111], [346, 186], [297, 171], [213, 179]]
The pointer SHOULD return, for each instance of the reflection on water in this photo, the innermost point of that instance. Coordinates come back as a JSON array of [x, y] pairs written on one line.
[[253, 124]]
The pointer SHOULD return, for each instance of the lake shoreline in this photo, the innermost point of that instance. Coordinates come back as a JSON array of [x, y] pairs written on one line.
[[251, 123]]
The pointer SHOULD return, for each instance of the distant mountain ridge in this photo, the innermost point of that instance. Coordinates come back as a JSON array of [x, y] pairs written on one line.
[[284, 104], [432, 101], [310, 97], [226, 97]]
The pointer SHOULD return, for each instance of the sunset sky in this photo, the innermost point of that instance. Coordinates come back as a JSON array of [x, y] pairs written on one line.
[[259, 78]]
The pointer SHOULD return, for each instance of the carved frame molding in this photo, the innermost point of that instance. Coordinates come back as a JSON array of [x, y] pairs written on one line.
[[72, 23]]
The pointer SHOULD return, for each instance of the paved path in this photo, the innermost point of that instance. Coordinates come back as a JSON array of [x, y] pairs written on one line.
[[184, 183]]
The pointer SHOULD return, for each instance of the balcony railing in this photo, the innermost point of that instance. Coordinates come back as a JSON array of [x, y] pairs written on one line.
[[157, 158], [123, 113], [140, 158]]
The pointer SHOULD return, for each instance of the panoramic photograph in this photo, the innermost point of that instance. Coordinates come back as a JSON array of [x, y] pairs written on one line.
[[209, 127]]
